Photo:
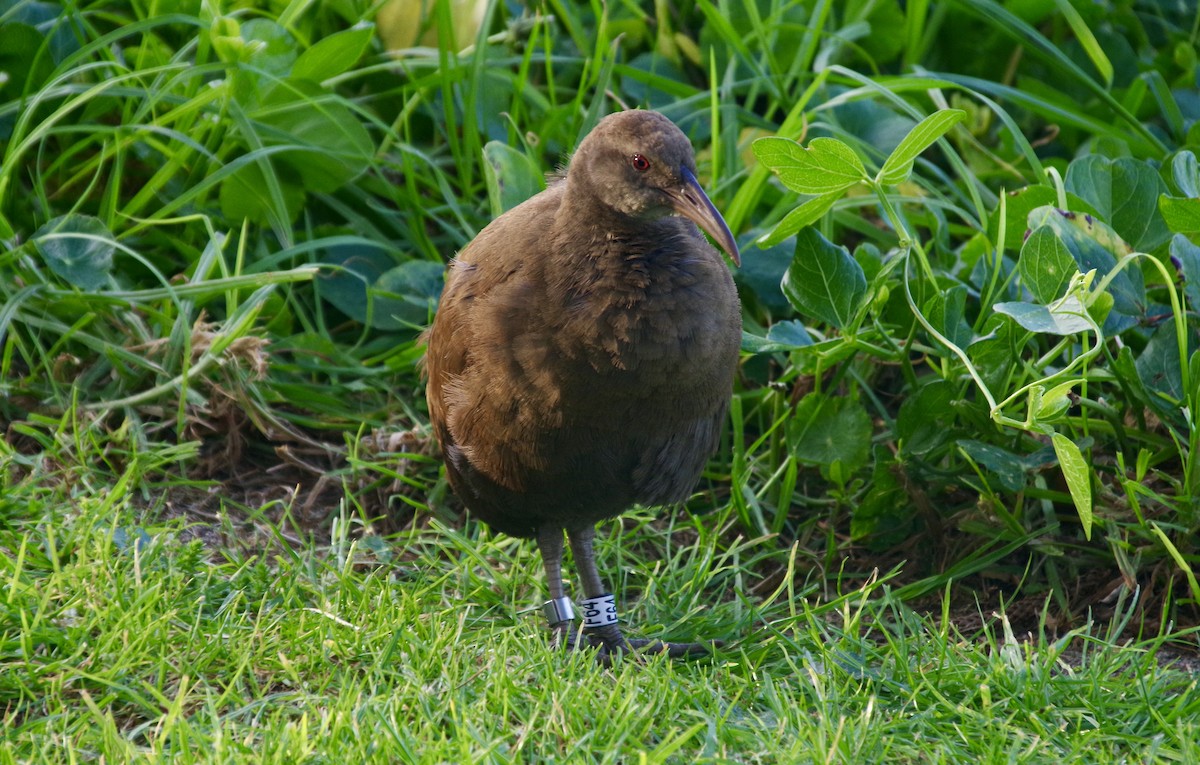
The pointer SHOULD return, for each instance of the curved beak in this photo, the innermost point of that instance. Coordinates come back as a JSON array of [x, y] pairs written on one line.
[[691, 202]]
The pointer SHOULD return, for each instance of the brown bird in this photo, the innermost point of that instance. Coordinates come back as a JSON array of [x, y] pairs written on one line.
[[583, 354]]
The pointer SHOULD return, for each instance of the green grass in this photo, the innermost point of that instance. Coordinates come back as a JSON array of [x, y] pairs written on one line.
[[223, 534], [122, 641]]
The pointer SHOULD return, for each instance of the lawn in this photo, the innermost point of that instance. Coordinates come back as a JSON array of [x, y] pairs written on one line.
[[955, 515]]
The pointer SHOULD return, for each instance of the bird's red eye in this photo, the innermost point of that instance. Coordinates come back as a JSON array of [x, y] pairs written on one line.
[[639, 163]]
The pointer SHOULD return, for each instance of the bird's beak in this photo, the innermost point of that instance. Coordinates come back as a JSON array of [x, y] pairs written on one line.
[[691, 202]]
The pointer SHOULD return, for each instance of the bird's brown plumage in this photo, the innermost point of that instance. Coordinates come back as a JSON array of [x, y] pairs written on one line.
[[583, 352]]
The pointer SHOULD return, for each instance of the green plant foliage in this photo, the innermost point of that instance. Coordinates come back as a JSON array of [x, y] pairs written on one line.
[[333, 55], [79, 248], [823, 167], [1095, 246], [511, 176], [1041, 358], [370, 288], [1066, 318], [824, 281], [898, 166], [1079, 478], [782, 336], [830, 430], [1046, 265], [1125, 194]]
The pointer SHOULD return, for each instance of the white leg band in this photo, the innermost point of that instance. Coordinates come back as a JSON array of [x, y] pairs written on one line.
[[599, 612]]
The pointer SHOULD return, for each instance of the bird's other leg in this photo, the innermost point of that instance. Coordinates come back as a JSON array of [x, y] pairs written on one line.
[[560, 615], [600, 610]]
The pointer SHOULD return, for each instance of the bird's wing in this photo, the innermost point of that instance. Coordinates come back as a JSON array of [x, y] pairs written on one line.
[[483, 351]]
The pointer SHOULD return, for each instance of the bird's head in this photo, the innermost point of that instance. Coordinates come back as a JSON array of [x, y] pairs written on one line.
[[639, 164]]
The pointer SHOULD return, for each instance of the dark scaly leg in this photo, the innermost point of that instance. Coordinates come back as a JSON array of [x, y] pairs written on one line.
[[599, 608], [559, 614]]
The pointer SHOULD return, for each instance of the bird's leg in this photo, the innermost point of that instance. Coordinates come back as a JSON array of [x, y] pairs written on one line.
[[600, 610], [599, 607], [560, 615]]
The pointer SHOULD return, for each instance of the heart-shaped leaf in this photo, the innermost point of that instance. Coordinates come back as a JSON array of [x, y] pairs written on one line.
[[371, 288], [78, 248], [826, 166], [829, 429], [1125, 191]]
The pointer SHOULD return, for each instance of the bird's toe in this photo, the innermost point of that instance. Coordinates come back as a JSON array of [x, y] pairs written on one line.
[[610, 643]]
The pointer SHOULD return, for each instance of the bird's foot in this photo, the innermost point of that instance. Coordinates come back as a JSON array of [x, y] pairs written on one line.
[[609, 641], [601, 632]]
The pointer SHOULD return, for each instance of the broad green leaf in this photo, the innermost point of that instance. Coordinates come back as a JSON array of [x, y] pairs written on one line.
[[1125, 191], [333, 55], [346, 287], [1181, 215], [1008, 468], [1125, 368], [408, 294], [806, 214], [78, 248], [511, 176], [331, 145], [828, 429], [372, 289], [898, 166], [1046, 265], [1095, 245], [782, 336], [825, 167], [998, 350], [1069, 318], [824, 281], [1079, 478]]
